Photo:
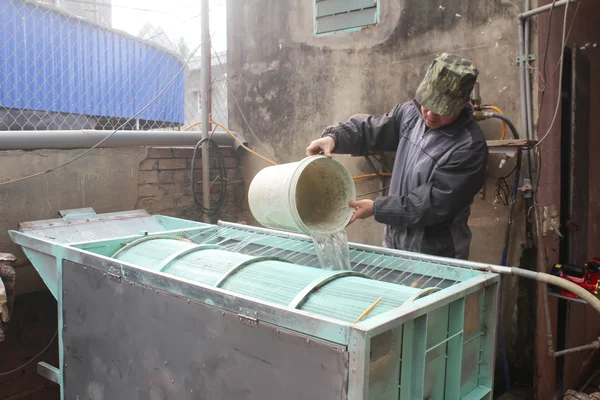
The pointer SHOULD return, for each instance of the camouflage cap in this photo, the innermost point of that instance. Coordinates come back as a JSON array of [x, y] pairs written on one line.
[[447, 85]]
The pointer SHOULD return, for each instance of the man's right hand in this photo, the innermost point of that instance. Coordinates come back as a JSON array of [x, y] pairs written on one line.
[[325, 145]]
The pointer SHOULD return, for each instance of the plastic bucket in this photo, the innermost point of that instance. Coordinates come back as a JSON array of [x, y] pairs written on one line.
[[311, 195]]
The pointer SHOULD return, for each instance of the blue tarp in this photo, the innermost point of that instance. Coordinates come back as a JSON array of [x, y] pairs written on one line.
[[50, 61]]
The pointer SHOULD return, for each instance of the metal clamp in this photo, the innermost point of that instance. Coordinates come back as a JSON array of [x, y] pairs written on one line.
[[528, 57], [301, 297], [237, 268], [527, 188], [183, 252], [144, 239]]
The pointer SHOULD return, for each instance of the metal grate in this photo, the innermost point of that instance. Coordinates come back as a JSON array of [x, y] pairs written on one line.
[[403, 270]]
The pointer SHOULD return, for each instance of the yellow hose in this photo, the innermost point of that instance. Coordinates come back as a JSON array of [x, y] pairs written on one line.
[[192, 126], [499, 111], [357, 177], [265, 158]]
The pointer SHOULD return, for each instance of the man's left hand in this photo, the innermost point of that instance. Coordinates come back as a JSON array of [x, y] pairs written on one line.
[[362, 209]]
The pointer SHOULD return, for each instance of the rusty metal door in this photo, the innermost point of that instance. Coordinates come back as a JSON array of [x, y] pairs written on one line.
[[575, 247]]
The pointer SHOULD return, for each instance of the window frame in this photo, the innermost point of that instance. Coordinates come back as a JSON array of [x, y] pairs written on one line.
[[349, 29]]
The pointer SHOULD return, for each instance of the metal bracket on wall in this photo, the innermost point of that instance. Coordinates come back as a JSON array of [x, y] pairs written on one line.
[[49, 372], [528, 57], [527, 188], [550, 220]]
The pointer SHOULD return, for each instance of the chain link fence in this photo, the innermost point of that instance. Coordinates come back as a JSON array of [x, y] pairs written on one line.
[[105, 64]]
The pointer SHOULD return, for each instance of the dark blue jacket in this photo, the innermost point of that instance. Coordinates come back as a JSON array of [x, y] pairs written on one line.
[[436, 175]]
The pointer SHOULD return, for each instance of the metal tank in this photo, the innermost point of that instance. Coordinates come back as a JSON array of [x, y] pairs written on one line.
[[159, 307]]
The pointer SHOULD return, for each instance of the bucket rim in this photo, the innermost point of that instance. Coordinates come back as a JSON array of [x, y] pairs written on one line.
[[302, 165]]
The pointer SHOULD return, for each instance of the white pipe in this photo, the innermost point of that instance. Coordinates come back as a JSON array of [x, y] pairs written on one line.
[[81, 139], [545, 8]]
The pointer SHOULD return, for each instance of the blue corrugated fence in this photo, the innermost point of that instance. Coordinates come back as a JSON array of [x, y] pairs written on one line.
[[50, 61]]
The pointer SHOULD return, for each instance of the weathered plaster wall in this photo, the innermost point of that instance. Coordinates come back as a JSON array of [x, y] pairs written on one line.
[[291, 84], [105, 180], [108, 180]]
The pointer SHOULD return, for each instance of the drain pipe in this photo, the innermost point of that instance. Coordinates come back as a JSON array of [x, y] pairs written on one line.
[[84, 139], [521, 54]]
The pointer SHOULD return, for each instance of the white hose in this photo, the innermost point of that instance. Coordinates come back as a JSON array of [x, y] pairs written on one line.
[[561, 283]]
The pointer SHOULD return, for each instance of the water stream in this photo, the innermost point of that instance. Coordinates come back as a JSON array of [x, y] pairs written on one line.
[[332, 250]]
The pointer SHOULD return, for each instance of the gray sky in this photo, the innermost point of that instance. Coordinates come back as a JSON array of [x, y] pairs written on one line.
[[178, 18]]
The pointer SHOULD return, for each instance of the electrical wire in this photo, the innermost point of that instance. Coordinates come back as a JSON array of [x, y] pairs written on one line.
[[240, 109], [559, 95], [167, 86], [543, 92], [222, 177], [259, 141], [543, 73], [546, 53], [180, 23], [590, 379], [234, 138], [111, 5], [32, 359], [357, 177], [502, 190]]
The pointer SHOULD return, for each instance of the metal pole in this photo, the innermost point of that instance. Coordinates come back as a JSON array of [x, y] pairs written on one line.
[[523, 102], [525, 74], [205, 103], [545, 8]]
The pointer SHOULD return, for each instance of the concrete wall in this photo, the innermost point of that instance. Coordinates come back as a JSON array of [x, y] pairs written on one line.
[[108, 180], [292, 84]]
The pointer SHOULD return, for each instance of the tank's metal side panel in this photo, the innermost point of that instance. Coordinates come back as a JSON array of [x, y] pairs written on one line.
[[126, 341]]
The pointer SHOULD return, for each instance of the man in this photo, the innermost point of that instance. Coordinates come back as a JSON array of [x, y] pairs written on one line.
[[440, 163]]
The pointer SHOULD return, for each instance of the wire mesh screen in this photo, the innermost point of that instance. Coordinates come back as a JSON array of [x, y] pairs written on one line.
[[95, 64], [405, 270]]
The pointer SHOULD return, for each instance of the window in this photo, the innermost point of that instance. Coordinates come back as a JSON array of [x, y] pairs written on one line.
[[334, 16]]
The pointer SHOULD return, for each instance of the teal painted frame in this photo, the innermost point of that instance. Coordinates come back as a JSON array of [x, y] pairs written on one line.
[[346, 30], [408, 323]]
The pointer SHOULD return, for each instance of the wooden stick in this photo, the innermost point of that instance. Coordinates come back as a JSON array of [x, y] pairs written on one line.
[[368, 310]]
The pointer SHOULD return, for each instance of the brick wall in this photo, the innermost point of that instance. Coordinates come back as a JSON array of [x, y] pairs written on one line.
[[164, 184]]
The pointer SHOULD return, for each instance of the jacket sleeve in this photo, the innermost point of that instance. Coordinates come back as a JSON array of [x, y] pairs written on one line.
[[452, 187], [360, 135]]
